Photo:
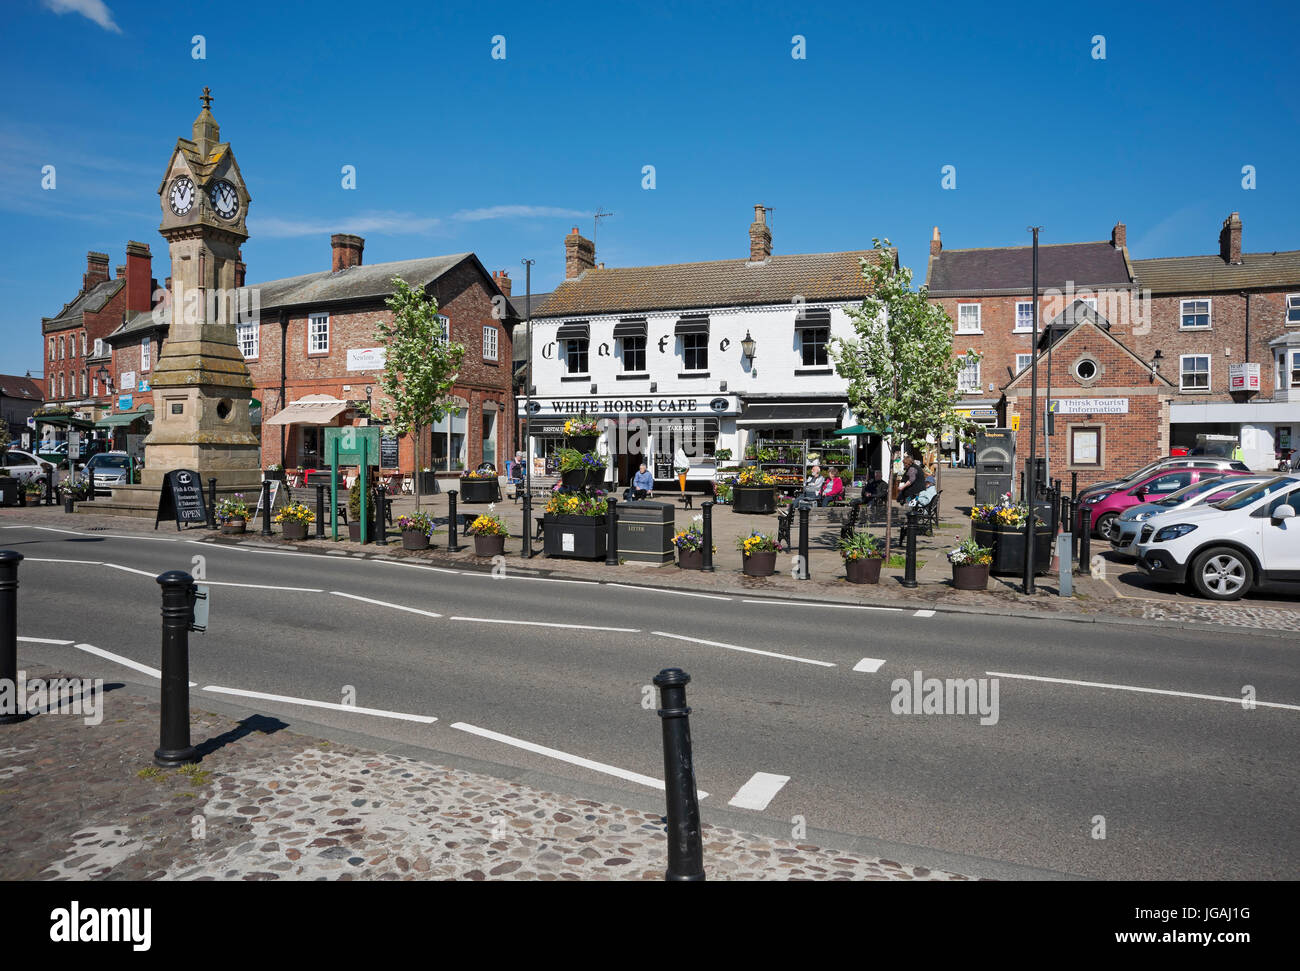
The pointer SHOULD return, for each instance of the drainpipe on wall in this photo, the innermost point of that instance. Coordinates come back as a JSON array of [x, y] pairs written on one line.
[[1246, 296], [284, 349]]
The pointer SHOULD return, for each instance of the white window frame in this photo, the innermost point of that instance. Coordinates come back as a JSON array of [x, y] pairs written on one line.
[[94, 386], [54, 349], [83, 343], [99, 346], [314, 344], [1076, 431], [244, 328], [1288, 377], [643, 349], [63, 349], [1090, 301], [1029, 327], [1029, 359], [84, 390], [1293, 306], [1182, 371], [146, 346], [1209, 314], [489, 343], [979, 319], [964, 385]]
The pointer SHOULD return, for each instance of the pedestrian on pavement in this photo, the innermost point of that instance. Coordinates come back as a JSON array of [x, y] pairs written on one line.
[[913, 480]]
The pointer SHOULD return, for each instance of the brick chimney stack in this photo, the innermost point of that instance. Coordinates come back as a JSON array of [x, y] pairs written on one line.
[[346, 250], [139, 277], [1119, 236], [936, 244], [1230, 239], [502, 279], [760, 237], [96, 270], [579, 254]]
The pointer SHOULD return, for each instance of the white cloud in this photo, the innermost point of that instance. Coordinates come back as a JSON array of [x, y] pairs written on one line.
[[518, 212], [396, 223], [95, 10]]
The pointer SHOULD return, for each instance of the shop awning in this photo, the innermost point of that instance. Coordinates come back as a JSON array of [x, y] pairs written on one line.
[[125, 417], [254, 412], [692, 325], [630, 327], [812, 318], [63, 421], [572, 332], [861, 430], [314, 409], [791, 414]]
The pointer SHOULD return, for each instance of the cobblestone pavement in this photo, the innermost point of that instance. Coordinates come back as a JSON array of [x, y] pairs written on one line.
[[1092, 598], [85, 802]]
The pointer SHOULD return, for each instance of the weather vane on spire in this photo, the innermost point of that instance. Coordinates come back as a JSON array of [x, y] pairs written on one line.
[[206, 97]]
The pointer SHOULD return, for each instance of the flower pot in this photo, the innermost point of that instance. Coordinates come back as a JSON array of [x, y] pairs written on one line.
[[760, 564], [865, 569], [414, 539], [690, 559], [969, 576], [233, 527], [354, 532], [581, 479], [1008, 545], [753, 499], [293, 529], [582, 443], [479, 490], [575, 537], [489, 545]]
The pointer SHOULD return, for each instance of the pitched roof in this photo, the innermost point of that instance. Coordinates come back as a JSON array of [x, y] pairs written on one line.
[[355, 282], [518, 337], [136, 323], [88, 301], [1011, 268], [1202, 274], [12, 386], [1092, 321], [723, 283]]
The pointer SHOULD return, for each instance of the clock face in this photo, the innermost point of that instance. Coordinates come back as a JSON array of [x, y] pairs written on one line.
[[182, 196], [225, 200]]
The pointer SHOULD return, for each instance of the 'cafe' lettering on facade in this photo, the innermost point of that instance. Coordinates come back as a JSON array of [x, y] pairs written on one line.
[[668, 405]]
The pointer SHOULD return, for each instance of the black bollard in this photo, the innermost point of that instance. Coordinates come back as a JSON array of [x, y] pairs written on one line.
[[320, 511], [212, 503], [909, 565], [9, 560], [452, 545], [49, 488], [68, 500], [174, 746], [804, 572], [685, 849], [1074, 487], [381, 522], [708, 536], [527, 550], [1085, 541], [266, 507], [611, 530], [90, 485]]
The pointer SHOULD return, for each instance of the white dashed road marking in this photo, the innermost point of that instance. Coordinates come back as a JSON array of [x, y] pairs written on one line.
[[924, 613], [747, 650], [869, 664], [1149, 691], [332, 705], [759, 791]]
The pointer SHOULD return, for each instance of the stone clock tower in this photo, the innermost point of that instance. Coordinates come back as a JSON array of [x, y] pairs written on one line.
[[201, 386]]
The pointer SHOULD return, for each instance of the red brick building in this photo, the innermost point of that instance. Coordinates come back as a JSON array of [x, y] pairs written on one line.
[[315, 335], [74, 340]]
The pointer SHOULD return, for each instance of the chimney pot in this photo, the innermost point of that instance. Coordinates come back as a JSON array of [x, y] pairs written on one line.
[[1230, 239], [579, 254], [96, 269], [936, 243], [1119, 236], [345, 251], [760, 237], [139, 277]]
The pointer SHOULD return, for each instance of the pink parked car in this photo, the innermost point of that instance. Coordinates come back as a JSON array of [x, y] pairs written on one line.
[[1107, 505]]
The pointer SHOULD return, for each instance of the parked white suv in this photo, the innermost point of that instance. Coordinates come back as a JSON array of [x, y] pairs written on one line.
[[1226, 549]]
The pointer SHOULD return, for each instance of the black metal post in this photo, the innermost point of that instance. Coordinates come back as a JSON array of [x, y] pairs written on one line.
[[1055, 500], [212, 503], [527, 550], [708, 536], [611, 530], [685, 848], [909, 565], [452, 545], [174, 746], [1085, 540], [1023, 497], [1074, 487], [804, 572], [49, 488], [9, 560], [320, 511], [90, 485], [381, 521], [1031, 470], [67, 500], [266, 507]]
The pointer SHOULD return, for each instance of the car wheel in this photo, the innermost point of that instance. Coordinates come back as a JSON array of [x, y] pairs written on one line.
[[1222, 573], [1106, 526]]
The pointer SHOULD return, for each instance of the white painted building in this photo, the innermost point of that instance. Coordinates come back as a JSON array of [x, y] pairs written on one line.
[[709, 355]]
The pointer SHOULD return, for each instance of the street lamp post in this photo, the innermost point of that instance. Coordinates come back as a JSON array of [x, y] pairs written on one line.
[[528, 407]]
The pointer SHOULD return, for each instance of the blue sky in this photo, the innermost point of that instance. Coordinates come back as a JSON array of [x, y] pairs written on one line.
[[456, 151]]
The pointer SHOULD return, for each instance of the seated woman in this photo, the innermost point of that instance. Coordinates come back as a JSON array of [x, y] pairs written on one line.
[[832, 491], [924, 497]]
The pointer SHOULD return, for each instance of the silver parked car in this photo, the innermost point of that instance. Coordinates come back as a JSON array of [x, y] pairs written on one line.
[[110, 469]]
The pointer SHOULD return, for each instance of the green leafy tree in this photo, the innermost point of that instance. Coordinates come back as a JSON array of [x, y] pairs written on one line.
[[420, 366], [900, 368]]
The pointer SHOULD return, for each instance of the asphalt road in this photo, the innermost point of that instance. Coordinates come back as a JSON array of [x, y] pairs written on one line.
[[1189, 787]]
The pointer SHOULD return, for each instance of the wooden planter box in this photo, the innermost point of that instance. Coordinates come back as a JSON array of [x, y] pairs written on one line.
[[414, 539], [479, 490], [1008, 545], [293, 530], [489, 545], [970, 577], [760, 564], [753, 499], [865, 569], [233, 527], [575, 537]]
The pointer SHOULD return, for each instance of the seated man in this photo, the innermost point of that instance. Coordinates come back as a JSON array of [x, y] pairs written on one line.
[[875, 488], [832, 491], [643, 483], [812, 487]]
